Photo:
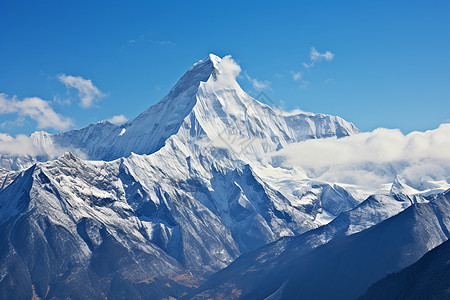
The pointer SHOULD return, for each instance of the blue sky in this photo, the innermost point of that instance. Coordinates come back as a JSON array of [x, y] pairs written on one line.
[[388, 63]]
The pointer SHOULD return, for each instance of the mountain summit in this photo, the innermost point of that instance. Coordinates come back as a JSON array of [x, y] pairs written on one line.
[[206, 103], [180, 188], [151, 208]]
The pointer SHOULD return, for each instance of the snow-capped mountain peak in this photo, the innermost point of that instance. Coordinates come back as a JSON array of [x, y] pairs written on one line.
[[176, 193], [206, 104]]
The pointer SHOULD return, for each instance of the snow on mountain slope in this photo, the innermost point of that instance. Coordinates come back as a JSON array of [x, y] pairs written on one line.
[[67, 230], [235, 199], [175, 219], [208, 109], [343, 268], [147, 132], [185, 134], [187, 186], [6, 177], [209, 101], [263, 261]]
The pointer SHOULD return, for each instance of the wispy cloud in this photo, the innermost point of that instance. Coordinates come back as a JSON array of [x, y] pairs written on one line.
[[19, 145], [329, 81], [258, 84], [164, 43], [87, 91], [36, 109], [295, 111], [33, 145], [146, 38], [278, 75], [315, 56], [117, 120], [304, 84], [296, 76], [228, 68]]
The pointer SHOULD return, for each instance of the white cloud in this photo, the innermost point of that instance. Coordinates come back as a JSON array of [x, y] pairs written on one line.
[[38, 144], [315, 56], [372, 160], [258, 84], [117, 120], [20, 145], [61, 101], [36, 109], [227, 66], [296, 111], [296, 76], [87, 91], [226, 72], [379, 146]]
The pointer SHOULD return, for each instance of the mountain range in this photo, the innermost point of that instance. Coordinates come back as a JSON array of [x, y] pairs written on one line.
[[190, 199]]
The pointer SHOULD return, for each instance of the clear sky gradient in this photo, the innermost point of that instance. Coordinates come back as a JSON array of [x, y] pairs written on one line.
[[391, 63]]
